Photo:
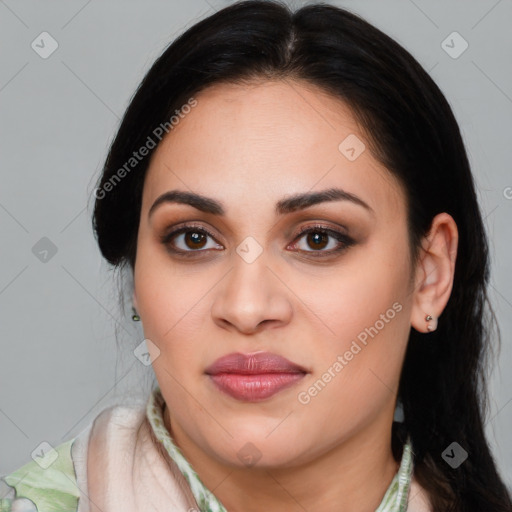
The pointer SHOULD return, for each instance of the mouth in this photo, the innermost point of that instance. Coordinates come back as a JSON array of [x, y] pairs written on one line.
[[254, 377]]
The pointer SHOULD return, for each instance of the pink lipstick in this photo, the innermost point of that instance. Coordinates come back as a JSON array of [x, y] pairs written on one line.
[[254, 377]]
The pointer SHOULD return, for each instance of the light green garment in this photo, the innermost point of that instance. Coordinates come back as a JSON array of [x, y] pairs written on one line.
[[32, 488]]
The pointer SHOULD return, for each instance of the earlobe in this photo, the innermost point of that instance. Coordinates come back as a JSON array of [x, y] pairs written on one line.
[[434, 273]]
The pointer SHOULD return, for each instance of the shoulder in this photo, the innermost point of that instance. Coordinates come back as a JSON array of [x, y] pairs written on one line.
[[115, 463], [113, 433], [129, 469], [52, 480]]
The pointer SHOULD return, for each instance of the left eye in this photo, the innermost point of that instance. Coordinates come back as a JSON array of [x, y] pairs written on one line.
[[318, 239]]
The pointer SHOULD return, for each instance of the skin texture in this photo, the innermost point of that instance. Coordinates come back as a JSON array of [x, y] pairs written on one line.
[[249, 146]]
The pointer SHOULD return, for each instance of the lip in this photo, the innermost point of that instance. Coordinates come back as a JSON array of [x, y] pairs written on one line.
[[254, 377]]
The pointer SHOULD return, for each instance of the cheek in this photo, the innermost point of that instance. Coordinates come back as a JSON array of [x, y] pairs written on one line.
[[357, 377], [165, 298], [365, 294], [367, 309], [172, 318], [163, 292]]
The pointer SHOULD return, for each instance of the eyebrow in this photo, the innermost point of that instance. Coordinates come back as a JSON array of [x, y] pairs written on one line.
[[286, 205]]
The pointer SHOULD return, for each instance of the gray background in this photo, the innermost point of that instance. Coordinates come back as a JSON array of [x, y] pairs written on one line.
[[60, 362]]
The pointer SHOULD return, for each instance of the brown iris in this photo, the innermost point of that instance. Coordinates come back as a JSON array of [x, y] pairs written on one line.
[[197, 239], [317, 238]]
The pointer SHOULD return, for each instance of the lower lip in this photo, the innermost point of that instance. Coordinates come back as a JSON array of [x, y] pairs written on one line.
[[253, 388]]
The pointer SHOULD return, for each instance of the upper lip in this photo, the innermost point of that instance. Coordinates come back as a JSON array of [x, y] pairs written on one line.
[[253, 364]]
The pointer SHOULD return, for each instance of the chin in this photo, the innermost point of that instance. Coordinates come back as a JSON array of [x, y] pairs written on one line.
[[257, 449]]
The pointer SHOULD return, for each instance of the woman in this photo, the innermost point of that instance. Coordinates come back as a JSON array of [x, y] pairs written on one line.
[[292, 197]]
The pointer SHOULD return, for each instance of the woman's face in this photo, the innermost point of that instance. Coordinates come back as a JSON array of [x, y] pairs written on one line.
[[335, 302]]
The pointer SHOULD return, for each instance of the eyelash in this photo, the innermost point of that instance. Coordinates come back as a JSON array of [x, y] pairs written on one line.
[[343, 239]]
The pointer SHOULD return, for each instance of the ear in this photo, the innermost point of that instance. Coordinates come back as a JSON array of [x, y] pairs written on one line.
[[434, 272]]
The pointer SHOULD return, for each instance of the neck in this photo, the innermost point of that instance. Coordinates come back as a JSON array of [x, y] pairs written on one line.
[[352, 476]]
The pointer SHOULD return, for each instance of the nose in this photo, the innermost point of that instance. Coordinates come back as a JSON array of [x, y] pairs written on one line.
[[251, 297]]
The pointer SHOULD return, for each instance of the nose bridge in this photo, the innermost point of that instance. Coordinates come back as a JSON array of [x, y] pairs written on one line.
[[251, 292], [249, 280]]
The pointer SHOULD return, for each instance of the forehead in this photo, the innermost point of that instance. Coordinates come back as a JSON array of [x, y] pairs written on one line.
[[264, 140]]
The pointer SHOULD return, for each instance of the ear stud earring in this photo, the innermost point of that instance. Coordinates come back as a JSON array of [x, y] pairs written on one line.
[[431, 327]]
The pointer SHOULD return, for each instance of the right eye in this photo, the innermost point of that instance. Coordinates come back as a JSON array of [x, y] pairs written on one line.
[[188, 239]]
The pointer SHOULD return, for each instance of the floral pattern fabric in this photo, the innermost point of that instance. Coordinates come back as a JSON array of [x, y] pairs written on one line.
[[39, 487]]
